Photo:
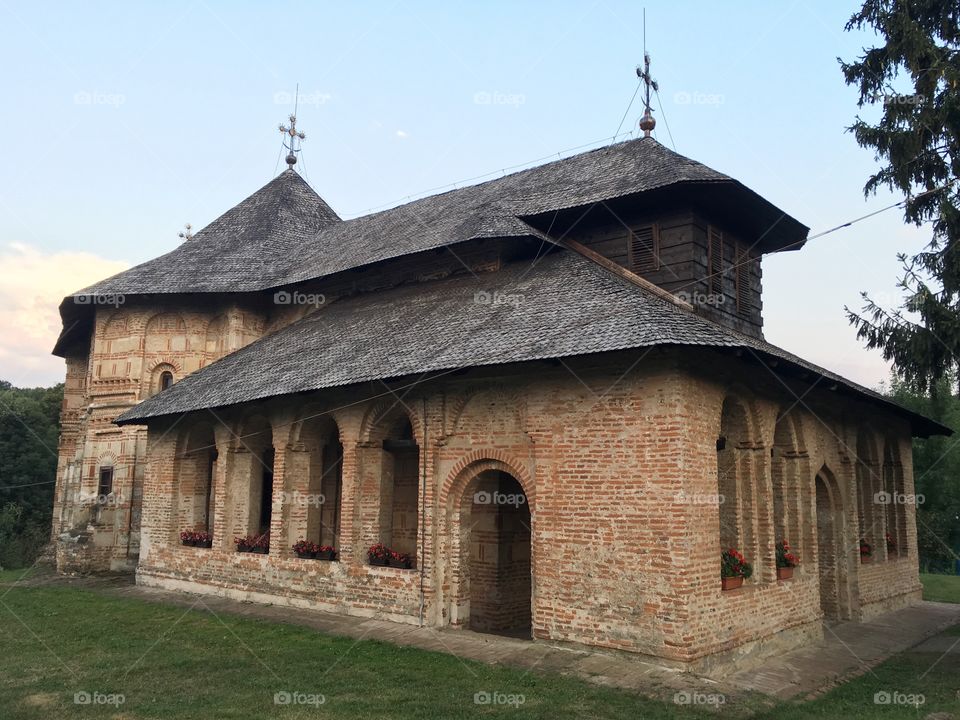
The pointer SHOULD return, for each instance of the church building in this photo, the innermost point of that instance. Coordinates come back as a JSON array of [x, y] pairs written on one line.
[[540, 406]]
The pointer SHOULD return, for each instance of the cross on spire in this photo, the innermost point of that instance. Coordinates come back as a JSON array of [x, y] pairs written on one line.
[[292, 140], [647, 123]]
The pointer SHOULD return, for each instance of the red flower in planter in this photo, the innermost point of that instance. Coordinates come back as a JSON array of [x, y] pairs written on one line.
[[378, 554], [303, 547], [732, 564], [785, 558], [253, 543]]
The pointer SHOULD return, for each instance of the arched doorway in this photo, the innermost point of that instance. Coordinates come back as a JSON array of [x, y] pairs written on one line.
[[496, 555], [832, 550]]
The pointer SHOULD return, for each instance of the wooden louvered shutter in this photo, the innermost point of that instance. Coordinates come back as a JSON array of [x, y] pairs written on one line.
[[714, 260], [743, 279], [643, 248]]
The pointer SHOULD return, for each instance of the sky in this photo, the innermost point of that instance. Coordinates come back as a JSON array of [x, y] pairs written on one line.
[[124, 121]]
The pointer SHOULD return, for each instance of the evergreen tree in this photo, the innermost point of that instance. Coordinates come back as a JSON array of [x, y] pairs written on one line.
[[918, 141]]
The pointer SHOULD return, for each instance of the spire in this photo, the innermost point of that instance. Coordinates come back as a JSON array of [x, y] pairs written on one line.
[[647, 123], [293, 136]]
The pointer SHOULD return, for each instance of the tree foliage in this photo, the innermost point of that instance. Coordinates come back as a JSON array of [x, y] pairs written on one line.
[[914, 74], [29, 433], [936, 472]]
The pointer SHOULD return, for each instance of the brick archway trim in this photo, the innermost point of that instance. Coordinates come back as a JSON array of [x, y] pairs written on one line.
[[478, 461]]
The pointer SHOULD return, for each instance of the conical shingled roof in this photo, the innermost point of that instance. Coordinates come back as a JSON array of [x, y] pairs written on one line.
[[245, 249]]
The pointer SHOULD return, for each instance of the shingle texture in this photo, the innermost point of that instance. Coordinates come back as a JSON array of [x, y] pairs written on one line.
[[245, 249], [285, 233], [561, 306]]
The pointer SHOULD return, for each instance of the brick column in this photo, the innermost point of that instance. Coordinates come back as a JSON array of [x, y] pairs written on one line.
[[370, 458], [351, 547], [225, 461]]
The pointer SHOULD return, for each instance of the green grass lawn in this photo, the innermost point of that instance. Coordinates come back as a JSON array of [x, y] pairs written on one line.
[[172, 663], [941, 588]]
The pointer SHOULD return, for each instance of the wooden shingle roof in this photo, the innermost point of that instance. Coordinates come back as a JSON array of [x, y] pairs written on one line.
[[563, 305], [285, 233]]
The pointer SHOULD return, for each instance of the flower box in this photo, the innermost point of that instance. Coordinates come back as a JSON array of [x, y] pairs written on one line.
[[733, 569], [379, 554], [731, 583], [258, 544], [786, 560], [866, 559], [404, 563], [305, 549], [196, 539]]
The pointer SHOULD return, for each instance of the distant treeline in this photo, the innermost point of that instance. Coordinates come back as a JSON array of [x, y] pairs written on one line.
[[29, 432]]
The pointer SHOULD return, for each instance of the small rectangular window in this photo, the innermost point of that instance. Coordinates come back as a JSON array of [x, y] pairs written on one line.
[[714, 260], [105, 485], [643, 248]]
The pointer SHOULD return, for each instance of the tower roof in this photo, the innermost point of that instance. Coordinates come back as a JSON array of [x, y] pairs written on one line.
[[286, 233]]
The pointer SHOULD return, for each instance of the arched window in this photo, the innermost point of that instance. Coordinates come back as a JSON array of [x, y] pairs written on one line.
[[390, 498], [314, 484], [740, 468], [195, 472], [400, 521], [249, 483], [869, 485], [788, 467], [104, 481], [161, 376], [894, 497]]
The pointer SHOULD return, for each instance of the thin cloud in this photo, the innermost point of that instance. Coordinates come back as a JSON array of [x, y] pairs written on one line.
[[32, 284]]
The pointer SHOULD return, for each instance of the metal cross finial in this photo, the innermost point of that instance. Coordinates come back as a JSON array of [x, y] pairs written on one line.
[[187, 234], [293, 140], [647, 123]]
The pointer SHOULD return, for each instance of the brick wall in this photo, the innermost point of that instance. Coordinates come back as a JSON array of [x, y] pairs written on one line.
[[617, 460]]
